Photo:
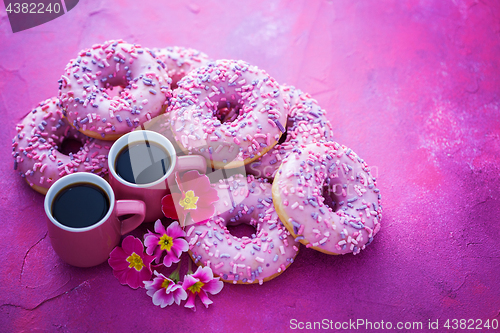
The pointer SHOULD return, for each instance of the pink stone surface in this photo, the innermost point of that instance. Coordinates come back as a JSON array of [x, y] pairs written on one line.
[[413, 87]]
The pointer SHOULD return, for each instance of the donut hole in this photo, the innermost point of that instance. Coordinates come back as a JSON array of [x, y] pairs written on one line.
[[69, 145], [116, 80], [283, 138], [227, 112], [331, 194], [175, 79], [242, 230], [113, 91]]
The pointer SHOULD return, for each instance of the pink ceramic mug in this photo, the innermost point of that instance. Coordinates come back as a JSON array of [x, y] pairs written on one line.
[[90, 246], [151, 193]]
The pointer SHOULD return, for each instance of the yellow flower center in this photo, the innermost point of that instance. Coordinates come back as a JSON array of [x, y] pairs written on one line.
[[195, 288], [165, 284], [166, 242], [189, 201], [135, 261]]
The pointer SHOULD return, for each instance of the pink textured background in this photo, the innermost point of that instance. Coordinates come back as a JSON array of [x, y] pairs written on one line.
[[412, 86]]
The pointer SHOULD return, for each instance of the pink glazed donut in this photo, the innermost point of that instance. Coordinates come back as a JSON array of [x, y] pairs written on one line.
[[243, 260], [306, 123], [327, 198], [180, 61], [230, 112], [161, 124], [103, 113], [35, 148]]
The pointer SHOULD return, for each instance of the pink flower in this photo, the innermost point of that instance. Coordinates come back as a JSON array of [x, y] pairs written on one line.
[[200, 283], [164, 291], [168, 241], [130, 264], [196, 198]]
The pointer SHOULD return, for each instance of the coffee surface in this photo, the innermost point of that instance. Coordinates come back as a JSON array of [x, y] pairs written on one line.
[[142, 163], [80, 205]]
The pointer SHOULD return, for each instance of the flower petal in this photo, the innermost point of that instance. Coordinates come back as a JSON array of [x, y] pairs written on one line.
[[190, 302], [179, 294], [213, 287], [179, 245], [131, 244], [189, 280], [168, 206], [147, 259], [203, 274], [159, 228], [118, 259], [151, 242], [174, 230], [207, 197], [202, 213], [170, 258], [204, 298], [121, 276], [162, 298], [193, 175], [151, 287], [135, 279], [157, 255]]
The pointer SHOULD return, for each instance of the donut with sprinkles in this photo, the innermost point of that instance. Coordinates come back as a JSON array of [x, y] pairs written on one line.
[[306, 123], [229, 111], [161, 124], [246, 260], [110, 89], [35, 148], [180, 61], [327, 198]]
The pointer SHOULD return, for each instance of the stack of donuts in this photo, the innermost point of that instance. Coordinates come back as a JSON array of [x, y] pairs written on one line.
[[295, 183]]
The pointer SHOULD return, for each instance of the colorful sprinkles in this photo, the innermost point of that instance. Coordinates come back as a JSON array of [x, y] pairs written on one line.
[[261, 257], [306, 123], [85, 94], [327, 198], [35, 148], [180, 61], [232, 113], [229, 111]]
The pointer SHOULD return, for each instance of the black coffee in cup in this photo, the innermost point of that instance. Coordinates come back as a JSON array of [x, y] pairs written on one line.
[[142, 162], [80, 205]]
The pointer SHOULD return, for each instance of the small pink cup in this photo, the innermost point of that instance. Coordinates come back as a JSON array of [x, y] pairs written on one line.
[[153, 192], [90, 246]]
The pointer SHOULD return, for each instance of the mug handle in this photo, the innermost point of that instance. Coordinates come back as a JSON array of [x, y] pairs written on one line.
[[126, 207], [192, 162]]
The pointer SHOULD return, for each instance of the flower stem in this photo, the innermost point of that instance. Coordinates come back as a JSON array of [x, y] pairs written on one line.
[[174, 276], [190, 265]]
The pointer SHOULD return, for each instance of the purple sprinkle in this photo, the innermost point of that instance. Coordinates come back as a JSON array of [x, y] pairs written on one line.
[[281, 128]]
